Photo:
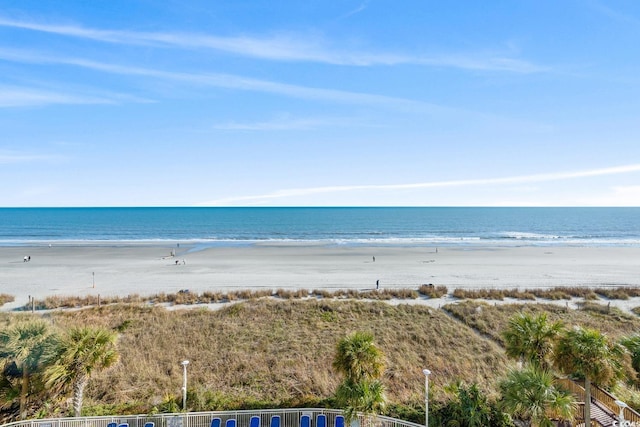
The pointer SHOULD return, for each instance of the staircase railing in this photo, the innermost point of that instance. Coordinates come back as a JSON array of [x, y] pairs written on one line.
[[605, 398], [610, 401], [579, 421]]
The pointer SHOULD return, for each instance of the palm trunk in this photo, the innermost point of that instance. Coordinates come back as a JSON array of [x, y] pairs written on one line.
[[587, 403], [23, 392], [78, 393]]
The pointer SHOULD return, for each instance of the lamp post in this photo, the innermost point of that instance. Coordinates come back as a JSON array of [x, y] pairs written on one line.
[[184, 364], [622, 405], [426, 373]]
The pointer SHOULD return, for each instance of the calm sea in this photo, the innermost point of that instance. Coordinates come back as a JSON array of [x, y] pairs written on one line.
[[332, 226]]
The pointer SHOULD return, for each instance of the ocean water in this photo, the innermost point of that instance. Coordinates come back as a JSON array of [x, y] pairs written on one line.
[[465, 226]]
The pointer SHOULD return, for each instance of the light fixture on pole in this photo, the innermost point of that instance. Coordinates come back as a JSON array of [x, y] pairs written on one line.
[[184, 364], [621, 405], [426, 373]]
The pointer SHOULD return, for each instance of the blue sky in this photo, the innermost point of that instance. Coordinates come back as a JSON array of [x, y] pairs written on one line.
[[307, 103]]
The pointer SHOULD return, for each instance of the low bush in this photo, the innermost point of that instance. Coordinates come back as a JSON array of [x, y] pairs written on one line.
[[432, 291]]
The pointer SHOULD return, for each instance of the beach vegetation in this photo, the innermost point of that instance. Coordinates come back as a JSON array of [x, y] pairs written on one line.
[[25, 347], [491, 319], [361, 363], [358, 358], [531, 394], [275, 352], [531, 338], [5, 298], [632, 344], [432, 291], [493, 294], [80, 352], [468, 406], [588, 354], [186, 297]]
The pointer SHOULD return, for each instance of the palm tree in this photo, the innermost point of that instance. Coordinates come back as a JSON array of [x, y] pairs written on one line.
[[632, 343], [531, 338], [531, 395], [468, 406], [29, 345], [81, 351], [588, 354], [367, 397], [358, 358], [361, 362]]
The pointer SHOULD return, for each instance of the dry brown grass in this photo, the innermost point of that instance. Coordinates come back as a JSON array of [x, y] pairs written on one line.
[[620, 293], [5, 298], [277, 351], [189, 298], [557, 293], [491, 320], [493, 294], [432, 291]]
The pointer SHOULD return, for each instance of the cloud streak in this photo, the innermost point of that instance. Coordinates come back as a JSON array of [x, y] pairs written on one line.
[[282, 47], [229, 81], [289, 123], [13, 157], [355, 11], [522, 179], [14, 96]]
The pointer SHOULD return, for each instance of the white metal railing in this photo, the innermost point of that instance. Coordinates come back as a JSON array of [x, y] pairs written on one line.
[[289, 418]]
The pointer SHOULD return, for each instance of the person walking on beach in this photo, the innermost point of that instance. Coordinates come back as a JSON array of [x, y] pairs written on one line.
[[374, 259], [377, 284]]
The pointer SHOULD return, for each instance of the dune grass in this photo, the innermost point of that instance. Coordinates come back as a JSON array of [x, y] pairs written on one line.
[[424, 291], [189, 298], [269, 352], [277, 351], [5, 298], [491, 320]]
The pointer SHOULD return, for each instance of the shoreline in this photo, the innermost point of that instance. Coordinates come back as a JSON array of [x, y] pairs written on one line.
[[121, 269]]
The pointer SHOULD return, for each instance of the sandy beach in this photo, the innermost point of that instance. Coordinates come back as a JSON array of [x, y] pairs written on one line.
[[145, 269]]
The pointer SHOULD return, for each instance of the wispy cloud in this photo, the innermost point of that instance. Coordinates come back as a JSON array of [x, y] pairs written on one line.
[[285, 47], [287, 122], [614, 14], [521, 179], [14, 96], [229, 81], [16, 157], [361, 7]]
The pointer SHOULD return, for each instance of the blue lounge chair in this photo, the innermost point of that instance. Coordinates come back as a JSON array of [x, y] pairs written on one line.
[[321, 420], [216, 422], [305, 421], [231, 422], [254, 421], [275, 421], [339, 421], [123, 425], [114, 424], [149, 424]]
